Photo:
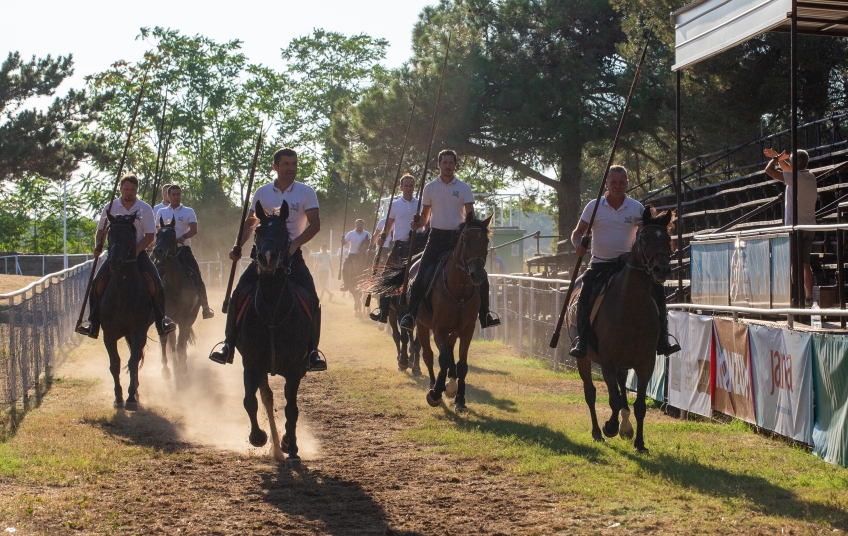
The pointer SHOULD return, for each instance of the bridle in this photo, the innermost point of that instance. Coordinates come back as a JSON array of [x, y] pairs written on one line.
[[171, 250], [646, 261], [128, 257], [284, 259], [463, 266]]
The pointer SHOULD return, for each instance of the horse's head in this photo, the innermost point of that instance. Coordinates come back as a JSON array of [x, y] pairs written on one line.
[[166, 241], [472, 247], [653, 245], [121, 236], [272, 240]]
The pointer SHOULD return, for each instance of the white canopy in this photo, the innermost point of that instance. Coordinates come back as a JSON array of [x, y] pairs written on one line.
[[707, 27]]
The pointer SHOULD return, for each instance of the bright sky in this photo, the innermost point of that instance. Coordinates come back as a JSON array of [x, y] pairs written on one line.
[[100, 32]]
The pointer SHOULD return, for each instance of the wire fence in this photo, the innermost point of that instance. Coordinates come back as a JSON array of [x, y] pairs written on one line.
[[35, 322]]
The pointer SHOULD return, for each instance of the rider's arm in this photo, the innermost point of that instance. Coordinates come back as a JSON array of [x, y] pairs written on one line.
[[387, 232], [146, 241], [313, 225], [425, 217], [192, 230], [577, 237], [247, 234], [469, 209], [99, 238]]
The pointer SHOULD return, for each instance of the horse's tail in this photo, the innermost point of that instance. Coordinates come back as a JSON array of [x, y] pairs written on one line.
[[192, 338], [388, 281]]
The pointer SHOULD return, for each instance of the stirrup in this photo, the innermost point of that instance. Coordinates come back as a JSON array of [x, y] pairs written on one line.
[[490, 320], [224, 356], [578, 349], [208, 313], [88, 330], [405, 324], [317, 361]]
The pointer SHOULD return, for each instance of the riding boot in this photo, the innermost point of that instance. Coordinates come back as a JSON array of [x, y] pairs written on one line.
[[663, 346], [381, 314], [316, 361], [581, 344], [228, 350], [487, 319], [408, 321], [93, 328], [164, 325]]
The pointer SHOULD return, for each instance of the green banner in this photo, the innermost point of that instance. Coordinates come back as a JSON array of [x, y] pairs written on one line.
[[830, 386]]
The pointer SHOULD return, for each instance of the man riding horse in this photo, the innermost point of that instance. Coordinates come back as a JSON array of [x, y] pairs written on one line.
[[303, 223], [398, 224], [617, 220], [145, 227], [447, 200], [355, 261], [185, 226]]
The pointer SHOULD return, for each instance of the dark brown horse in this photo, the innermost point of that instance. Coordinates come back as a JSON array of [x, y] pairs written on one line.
[[627, 327]]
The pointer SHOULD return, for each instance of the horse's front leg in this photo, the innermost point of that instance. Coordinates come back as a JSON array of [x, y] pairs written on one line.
[[610, 378], [163, 349], [626, 429], [427, 351], [290, 439], [434, 395], [111, 345], [182, 354], [415, 354], [462, 371], [252, 381], [136, 344], [268, 402], [640, 408], [584, 367]]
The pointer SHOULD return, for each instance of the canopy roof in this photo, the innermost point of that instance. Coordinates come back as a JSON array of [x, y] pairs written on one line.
[[705, 28]]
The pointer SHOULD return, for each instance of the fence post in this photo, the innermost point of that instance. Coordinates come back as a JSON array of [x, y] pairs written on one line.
[[505, 331], [520, 317], [532, 317], [556, 310]]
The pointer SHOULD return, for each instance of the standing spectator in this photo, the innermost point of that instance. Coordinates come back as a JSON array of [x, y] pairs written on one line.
[[322, 270]]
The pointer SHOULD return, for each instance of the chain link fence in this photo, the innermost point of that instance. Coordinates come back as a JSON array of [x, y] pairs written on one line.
[[35, 322]]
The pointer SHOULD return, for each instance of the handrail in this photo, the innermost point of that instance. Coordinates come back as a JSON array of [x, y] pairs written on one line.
[[47, 277], [533, 279], [758, 311]]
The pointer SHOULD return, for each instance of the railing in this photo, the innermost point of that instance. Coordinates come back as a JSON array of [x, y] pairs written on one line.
[[212, 272], [38, 264], [34, 323]]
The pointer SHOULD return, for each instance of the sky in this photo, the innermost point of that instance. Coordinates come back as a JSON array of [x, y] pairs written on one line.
[[100, 32]]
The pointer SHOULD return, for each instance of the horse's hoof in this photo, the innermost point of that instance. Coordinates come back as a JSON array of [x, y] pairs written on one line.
[[460, 409], [450, 388], [166, 374], [119, 403], [131, 405], [642, 450], [433, 399], [610, 429], [416, 371], [293, 463], [258, 438], [598, 437]]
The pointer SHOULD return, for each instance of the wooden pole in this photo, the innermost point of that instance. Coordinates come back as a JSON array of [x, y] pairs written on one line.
[[585, 241], [247, 195], [114, 190]]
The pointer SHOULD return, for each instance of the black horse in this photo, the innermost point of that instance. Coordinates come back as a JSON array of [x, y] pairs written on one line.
[[275, 332], [181, 298], [126, 310]]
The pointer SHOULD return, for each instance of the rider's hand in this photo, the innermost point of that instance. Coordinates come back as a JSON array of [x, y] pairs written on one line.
[[380, 242], [414, 225], [235, 253], [97, 252], [581, 251]]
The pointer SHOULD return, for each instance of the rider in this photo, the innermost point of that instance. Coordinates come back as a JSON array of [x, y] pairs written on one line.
[[446, 201], [303, 224], [185, 227], [402, 212], [355, 238], [613, 233], [164, 203], [145, 232]]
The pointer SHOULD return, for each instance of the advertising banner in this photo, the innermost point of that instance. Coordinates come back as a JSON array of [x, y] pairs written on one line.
[[689, 369], [656, 385], [783, 379], [830, 382], [733, 391]]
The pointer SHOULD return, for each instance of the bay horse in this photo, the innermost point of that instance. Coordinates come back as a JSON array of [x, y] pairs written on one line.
[[126, 310], [182, 302], [274, 333], [627, 326]]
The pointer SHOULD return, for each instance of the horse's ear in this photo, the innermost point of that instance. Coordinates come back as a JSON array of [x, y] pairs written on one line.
[[284, 210], [665, 218], [469, 218], [488, 220], [260, 212], [161, 221], [172, 223]]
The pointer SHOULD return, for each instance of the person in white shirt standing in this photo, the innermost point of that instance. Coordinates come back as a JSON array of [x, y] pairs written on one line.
[[446, 201], [354, 264], [303, 223], [185, 227], [614, 230], [128, 203], [397, 226], [164, 203]]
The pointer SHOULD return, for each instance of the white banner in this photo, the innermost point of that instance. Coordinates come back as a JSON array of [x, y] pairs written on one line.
[[783, 375], [689, 369]]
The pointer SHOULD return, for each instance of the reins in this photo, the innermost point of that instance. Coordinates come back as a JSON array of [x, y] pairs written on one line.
[[646, 262], [463, 267]]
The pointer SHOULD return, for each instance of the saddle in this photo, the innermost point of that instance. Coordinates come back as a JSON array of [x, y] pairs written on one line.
[[430, 278], [103, 282], [244, 297]]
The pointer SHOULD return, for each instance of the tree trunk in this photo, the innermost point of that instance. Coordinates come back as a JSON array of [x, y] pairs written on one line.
[[569, 204]]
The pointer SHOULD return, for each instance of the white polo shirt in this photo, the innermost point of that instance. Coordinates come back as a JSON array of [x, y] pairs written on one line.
[[183, 216], [446, 202], [614, 231], [157, 208], [300, 197], [144, 220], [356, 240], [380, 226], [403, 212], [807, 196]]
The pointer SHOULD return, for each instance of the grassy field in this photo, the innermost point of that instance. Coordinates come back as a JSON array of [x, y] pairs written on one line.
[[525, 423]]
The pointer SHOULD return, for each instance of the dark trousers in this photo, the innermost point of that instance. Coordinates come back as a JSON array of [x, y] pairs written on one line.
[[144, 265], [300, 274], [186, 257], [352, 267], [439, 242]]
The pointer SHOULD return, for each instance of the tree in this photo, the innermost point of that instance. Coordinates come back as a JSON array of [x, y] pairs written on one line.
[[49, 143]]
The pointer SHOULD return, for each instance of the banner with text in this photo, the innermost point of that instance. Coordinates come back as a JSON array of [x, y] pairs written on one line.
[[783, 379], [830, 382], [733, 393], [689, 369]]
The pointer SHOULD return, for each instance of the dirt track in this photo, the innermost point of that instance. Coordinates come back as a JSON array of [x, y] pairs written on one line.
[[358, 476]]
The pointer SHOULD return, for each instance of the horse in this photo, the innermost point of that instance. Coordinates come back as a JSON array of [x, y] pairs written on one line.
[[274, 334], [627, 327], [359, 265], [181, 299], [126, 310]]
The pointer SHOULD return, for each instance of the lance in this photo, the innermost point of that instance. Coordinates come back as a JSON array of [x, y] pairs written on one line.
[[586, 237], [245, 206], [159, 151], [394, 190], [377, 212], [417, 217], [164, 156], [344, 220], [114, 190]]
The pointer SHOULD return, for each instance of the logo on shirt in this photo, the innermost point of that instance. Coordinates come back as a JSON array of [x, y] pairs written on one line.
[[294, 207], [628, 220], [456, 193]]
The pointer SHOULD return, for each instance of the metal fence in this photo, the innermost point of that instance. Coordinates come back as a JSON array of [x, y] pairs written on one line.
[[27, 264], [34, 323]]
